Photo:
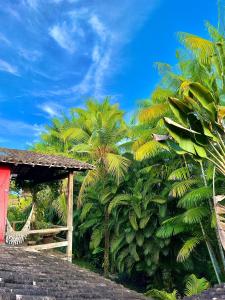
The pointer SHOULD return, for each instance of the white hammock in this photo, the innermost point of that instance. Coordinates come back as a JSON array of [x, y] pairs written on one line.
[[14, 237]]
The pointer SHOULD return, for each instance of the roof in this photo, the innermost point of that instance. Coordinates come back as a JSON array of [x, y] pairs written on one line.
[[38, 166], [215, 293], [30, 275], [25, 157]]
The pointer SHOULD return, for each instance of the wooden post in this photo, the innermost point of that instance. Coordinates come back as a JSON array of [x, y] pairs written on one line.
[[70, 217]]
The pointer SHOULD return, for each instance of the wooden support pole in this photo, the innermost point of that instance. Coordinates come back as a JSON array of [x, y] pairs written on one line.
[[70, 217]]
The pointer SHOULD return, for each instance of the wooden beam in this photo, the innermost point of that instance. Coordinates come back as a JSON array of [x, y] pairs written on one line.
[[47, 246], [48, 230], [69, 251]]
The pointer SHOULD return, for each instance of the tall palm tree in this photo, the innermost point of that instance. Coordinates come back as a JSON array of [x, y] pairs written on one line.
[[99, 130]]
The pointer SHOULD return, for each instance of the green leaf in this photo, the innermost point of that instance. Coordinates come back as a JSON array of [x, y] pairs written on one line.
[[85, 210], [179, 174], [144, 222], [195, 215], [115, 243], [140, 238], [133, 221], [180, 188], [133, 252], [130, 236], [162, 295], [187, 248], [96, 238], [122, 199], [180, 109], [195, 197], [204, 97], [137, 208], [171, 226], [195, 285]]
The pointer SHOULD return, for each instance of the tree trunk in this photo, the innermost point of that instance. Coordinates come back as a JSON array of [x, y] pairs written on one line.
[[212, 210], [212, 255], [106, 249]]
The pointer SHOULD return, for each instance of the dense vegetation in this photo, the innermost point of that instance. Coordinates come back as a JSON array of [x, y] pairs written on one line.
[[145, 215]]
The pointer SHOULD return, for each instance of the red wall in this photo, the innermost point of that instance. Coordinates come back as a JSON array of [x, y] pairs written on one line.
[[4, 188]]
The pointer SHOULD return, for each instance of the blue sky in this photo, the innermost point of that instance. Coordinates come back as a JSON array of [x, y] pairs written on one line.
[[54, 54]]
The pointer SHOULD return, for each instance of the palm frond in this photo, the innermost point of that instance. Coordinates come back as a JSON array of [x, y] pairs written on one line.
[[85, 210], [195, 285], [149, 149], [195, 215], [202, 48], [162, 295], [180, 188], [154, 112], [117, 165], [96, 238], [195, 197], [171, 226], [187, 248], [179, 174], [121, 199], [91, 177]]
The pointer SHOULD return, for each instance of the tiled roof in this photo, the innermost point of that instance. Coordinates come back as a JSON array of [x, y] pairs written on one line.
[[24, 157], [35, 276]]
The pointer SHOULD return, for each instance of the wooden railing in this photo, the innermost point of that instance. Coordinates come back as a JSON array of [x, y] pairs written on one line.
[[56, 229]]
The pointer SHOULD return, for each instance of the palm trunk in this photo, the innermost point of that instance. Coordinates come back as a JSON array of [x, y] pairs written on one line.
[[212, 255], [212, 210], [106, 249]]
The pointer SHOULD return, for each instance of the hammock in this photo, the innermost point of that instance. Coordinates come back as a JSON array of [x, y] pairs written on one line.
[[14, 237]]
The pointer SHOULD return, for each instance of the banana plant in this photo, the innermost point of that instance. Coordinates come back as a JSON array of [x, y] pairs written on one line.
[[198, 129]]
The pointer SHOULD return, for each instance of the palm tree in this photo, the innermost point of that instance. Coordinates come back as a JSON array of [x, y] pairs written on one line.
[[193, 222], [99, 130]]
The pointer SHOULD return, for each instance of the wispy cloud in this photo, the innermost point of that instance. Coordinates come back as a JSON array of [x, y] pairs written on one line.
[[52, 109], [4, 39], [62, 36], [62, 51], [31, 3], [30, 55], [7, 67], [19, 128]]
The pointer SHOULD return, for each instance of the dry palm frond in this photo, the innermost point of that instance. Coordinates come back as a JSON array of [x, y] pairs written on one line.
[[154, 112], [220, 219], [221, 114], [203, 49]]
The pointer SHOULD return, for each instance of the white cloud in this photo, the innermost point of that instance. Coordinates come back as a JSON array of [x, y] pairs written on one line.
[[99, 28], [97, 33], [4, 39], [30, 55], [32, 3], [51, 108], [62, 36], [6, 67]]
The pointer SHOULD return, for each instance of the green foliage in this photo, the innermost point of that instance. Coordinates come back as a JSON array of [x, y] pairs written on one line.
[[162, 295], [145, 211], [195, 286]]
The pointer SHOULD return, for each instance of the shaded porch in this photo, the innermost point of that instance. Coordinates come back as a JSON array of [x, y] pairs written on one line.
[[39, 168]]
